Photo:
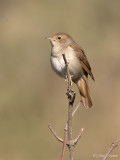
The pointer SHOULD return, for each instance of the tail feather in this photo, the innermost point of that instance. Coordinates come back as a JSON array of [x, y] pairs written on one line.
[[82, 84]]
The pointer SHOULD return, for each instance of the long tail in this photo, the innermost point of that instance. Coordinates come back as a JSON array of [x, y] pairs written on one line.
[[82, 84]]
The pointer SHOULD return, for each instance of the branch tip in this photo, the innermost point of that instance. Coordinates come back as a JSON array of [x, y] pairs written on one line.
[[54, 133], [78, 137]]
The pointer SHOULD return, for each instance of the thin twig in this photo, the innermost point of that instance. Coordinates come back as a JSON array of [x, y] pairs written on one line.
[[71, 147], [54, 133], [113, 145], [76, 109], [79, 136], [64, 142]]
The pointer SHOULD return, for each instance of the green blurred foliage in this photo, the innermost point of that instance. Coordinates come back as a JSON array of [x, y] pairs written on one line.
[[32, 95]]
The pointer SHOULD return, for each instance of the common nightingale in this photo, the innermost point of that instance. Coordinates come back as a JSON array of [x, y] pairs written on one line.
[[79, 66]]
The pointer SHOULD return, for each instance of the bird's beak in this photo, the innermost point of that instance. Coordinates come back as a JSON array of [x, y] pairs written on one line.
[[48, 38]]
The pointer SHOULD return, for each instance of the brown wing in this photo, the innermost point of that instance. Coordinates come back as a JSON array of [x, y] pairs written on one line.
[[83, 59]]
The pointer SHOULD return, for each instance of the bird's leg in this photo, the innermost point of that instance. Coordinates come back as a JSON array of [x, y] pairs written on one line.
[[66, 79]]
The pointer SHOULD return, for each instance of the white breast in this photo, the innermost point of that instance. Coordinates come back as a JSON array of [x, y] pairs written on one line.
[[58, 63]]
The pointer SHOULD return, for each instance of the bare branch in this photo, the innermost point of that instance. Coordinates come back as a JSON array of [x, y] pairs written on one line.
[[68, 128], [76, 109], [113, 145], [79, 136], [54, 133], [71, 97], [71, 147], [64, 143]]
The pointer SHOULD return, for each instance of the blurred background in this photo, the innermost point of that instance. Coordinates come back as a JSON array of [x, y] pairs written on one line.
[[32, 95]]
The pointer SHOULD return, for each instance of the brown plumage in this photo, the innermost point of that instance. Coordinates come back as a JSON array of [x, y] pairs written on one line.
[[79, 66]]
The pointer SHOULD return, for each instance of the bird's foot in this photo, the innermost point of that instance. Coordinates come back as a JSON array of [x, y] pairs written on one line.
[[66, 79], [71, 96]]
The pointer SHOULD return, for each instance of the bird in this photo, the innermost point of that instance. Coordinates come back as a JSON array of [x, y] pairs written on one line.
[[79, 66]]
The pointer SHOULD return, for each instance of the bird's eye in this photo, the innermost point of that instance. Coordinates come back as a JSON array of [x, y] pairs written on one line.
[[59, 37]]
